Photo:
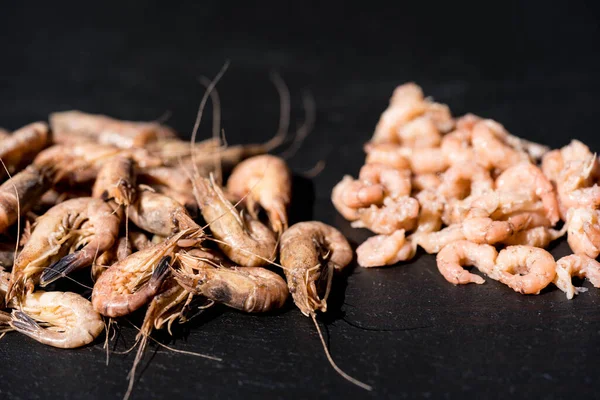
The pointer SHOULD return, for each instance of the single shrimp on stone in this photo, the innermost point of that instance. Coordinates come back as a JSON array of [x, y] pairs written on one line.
[[59, 319], [381, 250], [310, 252], [264, 181], [86, 224], [394, 214], [525, 269], [243, 239], [129, 284], [578, 265], [453, 257], [20, 148]]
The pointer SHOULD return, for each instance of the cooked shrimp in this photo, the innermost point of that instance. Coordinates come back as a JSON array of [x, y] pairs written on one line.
[[4, 134], [360, 194], [120, 250], [577, 265], [264, 181], [489, 231], [424, 161], [22, 192], [430, 211], [175, 177], [86, 224], [425, 182], [465, 179], [395, 214], [386, 153], [539, 236], [575, 185], [421, 132], [310, 252], [396, 183], [433, 242], [172, 151], [457, 148], [245, 240], [554, 161], [159, 214], [186, 199], [139, 240], [116, 181], [526, 176], [249, 289], [453, 257], [132, 282], [59, 319], [338, 197], [525, 269], [491, 150], [22, 146], [381, 250], [583, 231]]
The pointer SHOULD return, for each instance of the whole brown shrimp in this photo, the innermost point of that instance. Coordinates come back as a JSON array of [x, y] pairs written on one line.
[[59, 319], [22, 192], [310, 252], [381, 250], [133, 281], [525, 269], [159, 214], [116, 181], [245, 240], [84, 223], [264, 180], [577, 265], [249, 289], [452, 258], [19, 149]]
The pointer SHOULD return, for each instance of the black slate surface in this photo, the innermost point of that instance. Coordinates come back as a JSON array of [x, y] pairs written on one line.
[[404, 330]]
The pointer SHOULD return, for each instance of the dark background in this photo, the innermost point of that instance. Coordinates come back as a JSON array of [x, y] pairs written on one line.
[[404, 330]]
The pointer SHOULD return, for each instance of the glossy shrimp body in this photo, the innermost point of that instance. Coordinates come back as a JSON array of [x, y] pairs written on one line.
[[68, 319], [577, 265], [249, 289], [452, 258], [22, 192], [264, 180], [245, 240], [310, 252], [381, 250], [130, 283], [525, 269], [18, 149]]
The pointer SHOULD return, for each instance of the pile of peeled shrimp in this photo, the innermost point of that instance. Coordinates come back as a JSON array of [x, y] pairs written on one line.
[[149, 216], [476, 195]]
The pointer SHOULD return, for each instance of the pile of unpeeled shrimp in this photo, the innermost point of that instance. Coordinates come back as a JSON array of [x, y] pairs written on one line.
[[149, 216], [465, 188]]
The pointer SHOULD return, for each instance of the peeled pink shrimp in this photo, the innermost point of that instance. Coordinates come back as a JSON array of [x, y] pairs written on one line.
[[577, 265], [464, 179], [526, 176], [525, 269], [554, 161], [349, 195], [430, 211], [381, 250], [421, 132], [491, 150], [386, 153], [425, 161], [574, 185], [489, 231], [456, 147], [433, 242], [337, 198], [452, 258], [426, 181], [386, 130], [395, 182], [583, 227], [395, 214], [539, 236]]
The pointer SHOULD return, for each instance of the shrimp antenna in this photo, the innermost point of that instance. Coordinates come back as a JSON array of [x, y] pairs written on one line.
[[216, 131], [315, 170], [164, 117], [18, 210], [333, 364], [201, 110], [284, 111], [310, 116]]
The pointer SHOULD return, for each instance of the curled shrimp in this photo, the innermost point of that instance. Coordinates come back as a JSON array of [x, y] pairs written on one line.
[[22, 192], [421, 132], [527, 175], [575, 185], [339, 197], [249, 289], [583, 231], [19, 149], [433, 242], [116, 181], [578, 265], [264, 180], [525, 269], [245, 240], [310, 252], [395, 214], [540, 236], [421, 182], [381, 250], [59, 319], [453, 257], [456, 147], [386, 153], [159, 214], [489, 231], [396, 183], [130, 283], [555, 161], [491, 149], [465, 179], [431, 207], [86, 224]]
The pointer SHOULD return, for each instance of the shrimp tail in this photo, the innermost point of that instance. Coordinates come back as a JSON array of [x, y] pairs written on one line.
[[24, 324], [160, 273], [63, 267]]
